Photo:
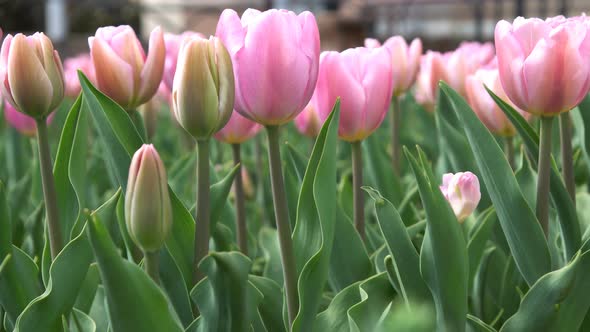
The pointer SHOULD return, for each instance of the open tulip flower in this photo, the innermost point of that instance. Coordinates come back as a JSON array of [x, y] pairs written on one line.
[[123, 71], [275, 72], [544, 65]]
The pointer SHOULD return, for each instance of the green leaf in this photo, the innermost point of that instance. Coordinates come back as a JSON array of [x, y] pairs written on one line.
[[376, 294], [87, 291], [477, 240], [334, 318], [349, 261], [379, 172], [558, 301], [478, 325], [446, 278], [566, 210], [80, 322], [19, 283], [399, 245], [175, 286], [67, 275], [269, 243], [70, 168], [581, 121], [5, 225], [270, 308], [523, 232], [219, 193], [316, 215], [527, 180], [130, 292], [226, 300]]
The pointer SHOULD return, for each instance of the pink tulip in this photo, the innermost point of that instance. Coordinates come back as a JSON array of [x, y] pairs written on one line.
[[372, 43], [23, 123], [405, 61], [361, 77], [308, 122], [461, 191], [32, 74], [123, 72], [238, 130], [484, 106], [464, 61], [173, 43], [81, 62], [276, 58], [431, 72], [544, 66]]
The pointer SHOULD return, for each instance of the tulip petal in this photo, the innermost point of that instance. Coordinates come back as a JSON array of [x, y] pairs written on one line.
[[230, 30], [31, 88], [116, 75], [153, 70]]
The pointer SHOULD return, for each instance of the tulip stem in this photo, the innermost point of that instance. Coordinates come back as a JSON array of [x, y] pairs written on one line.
[[46, 165], [509, 149], [241, 226], [139, 123], [151, 264], [395, 134], [282, 222], [202, 218], [567, 156], [357, 192], [543, 173]]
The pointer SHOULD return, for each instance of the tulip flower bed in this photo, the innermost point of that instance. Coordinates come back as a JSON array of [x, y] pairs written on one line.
[[247, 182]]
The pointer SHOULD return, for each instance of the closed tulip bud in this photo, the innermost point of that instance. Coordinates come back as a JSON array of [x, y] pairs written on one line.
[[361, 77], [308, 122], [82, 62], [148, 211], [484, 106], [32, 74], [23, 123], [461, 191], [544, 65], [173, 43], [203, 89], [238, 129], [123, 72], [276, 57]]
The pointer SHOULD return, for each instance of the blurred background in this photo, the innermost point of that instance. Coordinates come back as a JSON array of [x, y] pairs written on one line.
[[441, 24]]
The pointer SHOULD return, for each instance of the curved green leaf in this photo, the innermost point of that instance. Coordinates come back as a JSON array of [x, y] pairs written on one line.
[[404, 255], [446, 278], [130, 292], [566, 210], [270, 308], [226, 300], [376, 295], [316, 215], [269, 243], [334, 318], [523, 232], [558, 301], [67, 275], [477, 240], [80, 322]]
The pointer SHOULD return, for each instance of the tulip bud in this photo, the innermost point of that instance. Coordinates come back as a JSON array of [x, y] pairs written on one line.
[[23, 123], [173, 43], [32, 74], [405, 62], [203, 89], [462, 191], [123, 72], [431, 72], [148, 211]]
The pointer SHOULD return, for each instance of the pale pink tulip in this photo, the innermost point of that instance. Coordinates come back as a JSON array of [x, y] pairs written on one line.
[[23, 123], [276, 58], [405, 62], [461, 191], [544, 66], [431, 72], [361, 77], [173, 43], [484, 106], [238, 129], [308, 122], [123, 71], [372, 43], [464, 61], [81, 62], [32, 74]]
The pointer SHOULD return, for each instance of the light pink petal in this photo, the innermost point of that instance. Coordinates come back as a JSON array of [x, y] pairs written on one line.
[[113, 75], [152, 71]]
